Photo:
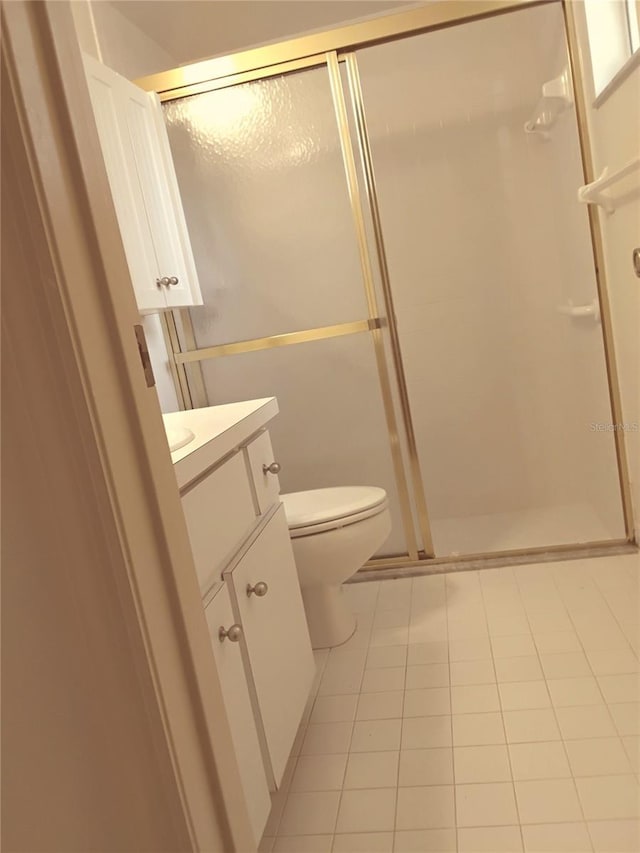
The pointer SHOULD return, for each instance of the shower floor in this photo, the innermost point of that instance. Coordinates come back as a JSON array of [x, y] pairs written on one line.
[[507, 531]]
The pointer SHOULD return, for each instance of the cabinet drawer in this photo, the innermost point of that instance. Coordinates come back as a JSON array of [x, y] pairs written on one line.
[[244, 733], [220, 514], [266, 484], [277, 638]]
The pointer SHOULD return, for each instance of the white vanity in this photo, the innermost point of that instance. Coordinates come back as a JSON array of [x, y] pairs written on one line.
[[240, 539]]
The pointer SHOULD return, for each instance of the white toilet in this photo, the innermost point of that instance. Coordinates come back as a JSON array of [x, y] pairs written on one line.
[[333, 533]]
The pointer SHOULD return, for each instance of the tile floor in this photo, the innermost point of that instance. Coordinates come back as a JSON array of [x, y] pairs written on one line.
[[479, 711]]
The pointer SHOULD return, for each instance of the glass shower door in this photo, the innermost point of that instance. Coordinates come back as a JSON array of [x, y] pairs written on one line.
[[489, 257], [267, 205]]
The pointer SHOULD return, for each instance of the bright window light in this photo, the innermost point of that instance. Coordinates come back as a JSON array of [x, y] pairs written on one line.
[[633, 20], [614, 35]]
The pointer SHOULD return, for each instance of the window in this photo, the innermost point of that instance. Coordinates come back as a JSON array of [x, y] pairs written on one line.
[[614, 36], [633, 23]]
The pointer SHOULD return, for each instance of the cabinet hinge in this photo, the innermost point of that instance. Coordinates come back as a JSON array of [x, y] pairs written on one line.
[[144, 356]]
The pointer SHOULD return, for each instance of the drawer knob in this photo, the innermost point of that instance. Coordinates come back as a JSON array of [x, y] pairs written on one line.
[[260, 589], [274, 468], [173, 280], [232, 634], [162, 282]]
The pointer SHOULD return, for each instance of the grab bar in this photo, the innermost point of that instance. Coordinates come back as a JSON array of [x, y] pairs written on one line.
[[593, 193]]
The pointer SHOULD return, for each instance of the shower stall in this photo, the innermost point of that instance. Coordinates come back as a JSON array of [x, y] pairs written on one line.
[[388, 238]]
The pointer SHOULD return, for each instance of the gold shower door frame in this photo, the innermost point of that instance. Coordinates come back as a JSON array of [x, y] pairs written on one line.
[[330, 49]]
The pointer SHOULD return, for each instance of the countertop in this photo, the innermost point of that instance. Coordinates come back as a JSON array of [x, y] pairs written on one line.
[[218, 431]]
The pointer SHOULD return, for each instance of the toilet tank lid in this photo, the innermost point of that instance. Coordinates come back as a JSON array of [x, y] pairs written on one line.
[[321, 505]]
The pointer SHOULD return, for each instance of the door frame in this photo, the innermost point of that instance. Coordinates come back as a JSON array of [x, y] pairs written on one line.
[[90, 318]]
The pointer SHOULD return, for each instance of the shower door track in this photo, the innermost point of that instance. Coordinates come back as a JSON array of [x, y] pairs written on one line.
[[328, 49]]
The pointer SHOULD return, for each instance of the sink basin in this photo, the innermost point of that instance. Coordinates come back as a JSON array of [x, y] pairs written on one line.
[[178, 437]]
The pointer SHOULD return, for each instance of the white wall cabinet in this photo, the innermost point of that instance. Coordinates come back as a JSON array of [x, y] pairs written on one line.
[[248, 577], [145, 191]]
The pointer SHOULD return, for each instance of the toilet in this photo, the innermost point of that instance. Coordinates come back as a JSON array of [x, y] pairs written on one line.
[[333, 533]]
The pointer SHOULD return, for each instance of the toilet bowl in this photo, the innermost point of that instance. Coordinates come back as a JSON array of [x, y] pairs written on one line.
[[333, 533]]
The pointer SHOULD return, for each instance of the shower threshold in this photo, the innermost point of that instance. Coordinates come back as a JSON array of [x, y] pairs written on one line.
[[382, 568]]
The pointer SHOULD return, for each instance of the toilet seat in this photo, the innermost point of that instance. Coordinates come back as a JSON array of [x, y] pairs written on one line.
[[320, 510]]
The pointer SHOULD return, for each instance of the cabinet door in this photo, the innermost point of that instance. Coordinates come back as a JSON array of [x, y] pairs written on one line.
[[187, 291], [266, 485], [228, 660], [149, 165], [277, 638], [145, 190], [105, 93]]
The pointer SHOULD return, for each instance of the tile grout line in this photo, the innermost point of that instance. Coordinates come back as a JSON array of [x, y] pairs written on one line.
[[353, 725], [440, 784], [504, 727], [553, 707], [607, 606], [453, 762], [476, 826], [319, 676], [591, 670], [613, 616], [617, 621], [300, 754], [402, 718]]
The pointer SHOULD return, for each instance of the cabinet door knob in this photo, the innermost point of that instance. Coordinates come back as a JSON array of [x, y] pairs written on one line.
[[260, 589], [274, 468], [173, 280], [163, 282], [232, 634]]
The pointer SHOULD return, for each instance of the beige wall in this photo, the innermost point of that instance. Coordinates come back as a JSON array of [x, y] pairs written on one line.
[[82, 767], [193, 29], [115, 733], [107, 34], [614, 128]]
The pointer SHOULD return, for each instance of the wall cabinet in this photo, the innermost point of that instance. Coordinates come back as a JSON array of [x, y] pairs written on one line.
[[145, 191], [248, 578]]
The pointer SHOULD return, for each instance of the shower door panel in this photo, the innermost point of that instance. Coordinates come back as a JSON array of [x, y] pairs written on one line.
[[260, 171], [261, 174], [488, 249]]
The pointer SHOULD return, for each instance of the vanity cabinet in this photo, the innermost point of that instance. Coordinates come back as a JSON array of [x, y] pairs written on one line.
[[135, 147], [248, 578]]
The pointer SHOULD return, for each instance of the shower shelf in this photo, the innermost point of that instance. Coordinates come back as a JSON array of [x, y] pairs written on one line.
[[557, 96], [593, 193]]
